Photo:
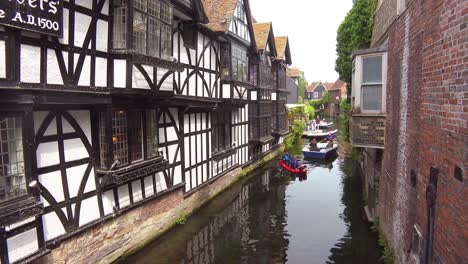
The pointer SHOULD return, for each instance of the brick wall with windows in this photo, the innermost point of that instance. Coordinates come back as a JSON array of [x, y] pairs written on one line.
[[426, 127]]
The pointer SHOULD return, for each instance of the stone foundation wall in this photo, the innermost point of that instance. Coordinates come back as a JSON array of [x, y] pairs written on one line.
[[136, 228]]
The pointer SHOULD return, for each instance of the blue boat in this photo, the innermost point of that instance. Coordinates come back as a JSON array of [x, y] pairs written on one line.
[[322, 153]]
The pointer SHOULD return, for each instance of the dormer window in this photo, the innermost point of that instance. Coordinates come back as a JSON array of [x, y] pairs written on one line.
[[150, 27], [239, 22]]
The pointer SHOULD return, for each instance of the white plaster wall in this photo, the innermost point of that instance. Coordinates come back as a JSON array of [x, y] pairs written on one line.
[[52, 226], [124, 197], [2, 59], [89, 210], [83, 118], [192, 85], [253, 95], [47, 154], [101, 72], [108, 202], [22, 245], [53, 183], [167, 84], [66, 27], [149, 190], [74, 149], [30, 64], [85, 76], [177, 175], [80, 32], [226, 91], [137, 193], [120, 73], [102, 35], [53, 71], [160, 182], [74, 178], [84, 3], [138, 80]]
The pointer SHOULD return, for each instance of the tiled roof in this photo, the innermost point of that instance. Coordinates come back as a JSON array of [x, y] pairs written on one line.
[[261, 32], [294, 72], [219, 13], [328, 85], [312, 86], [281, 43], [338, 85]]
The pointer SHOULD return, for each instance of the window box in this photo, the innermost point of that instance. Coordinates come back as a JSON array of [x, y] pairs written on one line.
[[19, 209], [132, 172], [219, 155]]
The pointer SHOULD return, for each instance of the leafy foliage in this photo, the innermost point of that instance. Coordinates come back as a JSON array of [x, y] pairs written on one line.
[[181, 220], [345, 106], [300, 100], [298, 129], [325, 100], [387, 254], [302, 86], [355, 32], [309, 111]]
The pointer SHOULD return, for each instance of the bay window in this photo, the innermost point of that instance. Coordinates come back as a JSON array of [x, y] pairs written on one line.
[[371, 88], [134, 137], [234, 62], [151, 27], [12, 175], [369, 77]]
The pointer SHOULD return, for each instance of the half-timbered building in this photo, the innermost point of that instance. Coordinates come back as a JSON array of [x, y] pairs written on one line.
[[262, 76], [110, 105]]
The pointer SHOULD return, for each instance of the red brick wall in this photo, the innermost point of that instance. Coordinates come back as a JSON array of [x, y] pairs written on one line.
[[435, 130]]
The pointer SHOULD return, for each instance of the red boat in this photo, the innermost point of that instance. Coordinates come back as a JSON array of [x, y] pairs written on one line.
[[301, 170]]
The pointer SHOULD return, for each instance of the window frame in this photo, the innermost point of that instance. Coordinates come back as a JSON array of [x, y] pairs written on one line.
[[165, 28], [371, 84], [220, 123], [358, 84], [107, 145], [26, 133]]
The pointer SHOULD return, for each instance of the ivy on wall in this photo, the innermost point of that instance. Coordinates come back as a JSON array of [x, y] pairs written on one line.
[[354, 32]]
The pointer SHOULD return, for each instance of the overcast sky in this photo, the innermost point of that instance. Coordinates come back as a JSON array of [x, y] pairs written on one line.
[[311, 26]]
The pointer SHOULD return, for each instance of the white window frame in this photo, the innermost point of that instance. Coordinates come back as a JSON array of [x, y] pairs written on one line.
[[315, 95], [358, 82]]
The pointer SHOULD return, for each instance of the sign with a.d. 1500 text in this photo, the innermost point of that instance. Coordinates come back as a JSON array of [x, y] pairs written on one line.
[[43, 16]]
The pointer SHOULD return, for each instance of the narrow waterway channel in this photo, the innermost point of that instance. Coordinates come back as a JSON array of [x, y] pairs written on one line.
[[274, 217]]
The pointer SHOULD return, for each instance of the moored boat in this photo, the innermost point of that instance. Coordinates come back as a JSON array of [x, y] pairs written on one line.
[[325, 125], [301, 170], [319, 134], [322, 151]]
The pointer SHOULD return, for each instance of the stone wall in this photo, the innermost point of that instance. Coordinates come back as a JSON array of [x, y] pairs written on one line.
[[134, 229], [426, 126], [367, 130]]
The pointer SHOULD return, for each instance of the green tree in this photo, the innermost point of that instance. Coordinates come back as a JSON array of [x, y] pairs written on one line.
[[354, 32], [302, 85], [300, 100]]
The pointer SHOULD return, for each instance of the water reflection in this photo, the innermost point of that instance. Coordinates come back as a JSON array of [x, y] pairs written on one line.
[[276, 217]]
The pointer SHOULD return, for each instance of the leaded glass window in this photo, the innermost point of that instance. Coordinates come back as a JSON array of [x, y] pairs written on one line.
[[128, 136], [12, 177], [151, 27]]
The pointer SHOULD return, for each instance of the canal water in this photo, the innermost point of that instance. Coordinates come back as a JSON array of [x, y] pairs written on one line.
[[274, 217]]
